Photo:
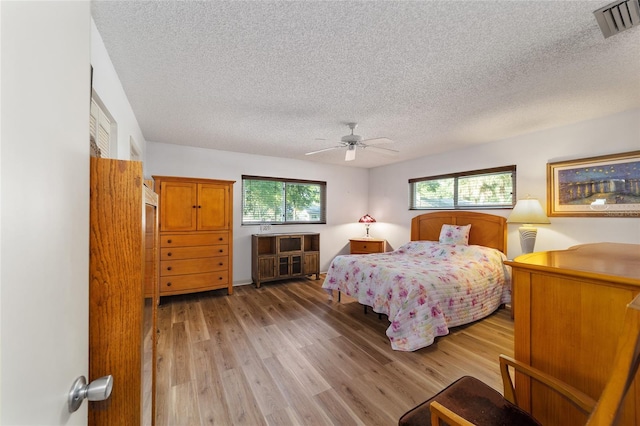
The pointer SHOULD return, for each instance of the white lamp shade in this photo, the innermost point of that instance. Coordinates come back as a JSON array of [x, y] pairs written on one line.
[[528, 211]]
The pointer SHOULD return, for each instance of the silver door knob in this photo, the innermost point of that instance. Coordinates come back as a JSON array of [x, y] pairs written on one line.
[[98, 390]]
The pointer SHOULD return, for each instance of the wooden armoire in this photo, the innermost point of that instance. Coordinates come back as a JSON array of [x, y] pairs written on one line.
[[123, 292], [196, 234]]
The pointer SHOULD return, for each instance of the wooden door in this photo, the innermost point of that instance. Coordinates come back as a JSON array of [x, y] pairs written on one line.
[[44, 233], [266, 267], [179, 206], [311, 264], [116, 290], [213, 207]]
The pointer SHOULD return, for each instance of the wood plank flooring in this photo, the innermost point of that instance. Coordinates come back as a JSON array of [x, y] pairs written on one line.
[[285, 355]]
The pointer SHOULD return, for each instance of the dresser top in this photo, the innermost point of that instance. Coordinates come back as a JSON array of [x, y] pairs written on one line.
[[601, 259]]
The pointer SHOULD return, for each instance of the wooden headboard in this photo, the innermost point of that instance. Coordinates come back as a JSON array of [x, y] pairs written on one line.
[[486, 229]]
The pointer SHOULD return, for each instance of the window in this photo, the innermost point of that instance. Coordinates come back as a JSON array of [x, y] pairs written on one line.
[[100, 128], [282, 201], [484, 189]]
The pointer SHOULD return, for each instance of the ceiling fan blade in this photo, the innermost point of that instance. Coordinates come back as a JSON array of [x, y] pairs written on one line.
[[351, 154], [375, 141], [385, 151], [323, 150]]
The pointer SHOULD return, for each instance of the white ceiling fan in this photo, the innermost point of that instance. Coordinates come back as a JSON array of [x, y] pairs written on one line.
[[351, 142]]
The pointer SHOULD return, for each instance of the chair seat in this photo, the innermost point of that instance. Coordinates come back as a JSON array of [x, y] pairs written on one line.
[[474, 401]]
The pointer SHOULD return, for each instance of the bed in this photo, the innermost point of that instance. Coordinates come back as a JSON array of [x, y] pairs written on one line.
[[436, 281]]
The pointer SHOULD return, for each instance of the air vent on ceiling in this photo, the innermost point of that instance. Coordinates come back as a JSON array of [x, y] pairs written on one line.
[[618, 16]]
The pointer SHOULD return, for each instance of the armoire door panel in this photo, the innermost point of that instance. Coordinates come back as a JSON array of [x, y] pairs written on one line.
[[212, 207], [179, 206]]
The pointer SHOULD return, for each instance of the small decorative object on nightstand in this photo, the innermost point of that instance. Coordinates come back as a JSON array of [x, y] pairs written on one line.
[[367, 245]]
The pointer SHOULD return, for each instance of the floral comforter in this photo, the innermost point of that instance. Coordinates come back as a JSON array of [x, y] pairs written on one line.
[[424, 287]]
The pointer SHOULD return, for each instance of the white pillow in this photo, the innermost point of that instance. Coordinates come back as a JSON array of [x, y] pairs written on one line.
[[453, 234]]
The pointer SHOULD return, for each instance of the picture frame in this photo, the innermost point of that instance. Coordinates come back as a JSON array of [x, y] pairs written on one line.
[[608, 185]]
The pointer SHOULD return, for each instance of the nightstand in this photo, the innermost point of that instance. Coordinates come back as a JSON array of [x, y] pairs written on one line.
[[367, 245]]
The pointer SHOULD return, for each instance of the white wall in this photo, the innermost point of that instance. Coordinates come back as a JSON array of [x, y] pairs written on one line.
[[107, 86], [388, 186], [347, 190], [44, 222]]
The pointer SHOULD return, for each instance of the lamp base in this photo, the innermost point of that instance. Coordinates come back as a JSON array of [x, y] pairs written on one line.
[[527, 238]]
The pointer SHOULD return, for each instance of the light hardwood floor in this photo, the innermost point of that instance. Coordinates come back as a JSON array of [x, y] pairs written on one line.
[[285, 355]]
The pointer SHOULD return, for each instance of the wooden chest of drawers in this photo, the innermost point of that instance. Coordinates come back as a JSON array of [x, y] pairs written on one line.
[[193, 261]]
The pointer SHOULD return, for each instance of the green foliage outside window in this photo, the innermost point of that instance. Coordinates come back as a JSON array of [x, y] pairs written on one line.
[[279, 201], [489, 188]]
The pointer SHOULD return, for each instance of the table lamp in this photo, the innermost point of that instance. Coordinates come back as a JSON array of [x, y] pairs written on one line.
[[367, 220], [528, 212]]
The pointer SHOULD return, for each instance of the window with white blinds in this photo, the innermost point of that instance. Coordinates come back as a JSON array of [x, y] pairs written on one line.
[[477, 189], [279, 201], [100, 128]]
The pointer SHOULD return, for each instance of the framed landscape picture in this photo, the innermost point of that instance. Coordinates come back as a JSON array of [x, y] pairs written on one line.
[[608, 185]]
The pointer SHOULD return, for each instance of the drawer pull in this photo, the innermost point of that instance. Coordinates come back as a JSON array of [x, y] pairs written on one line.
[[169, 254], [219, 278], [169, 241], [220, 263], [168, 284], [193, 207], [221, 238], [199, 207], [168, 268], [364, 246], [221, 250]]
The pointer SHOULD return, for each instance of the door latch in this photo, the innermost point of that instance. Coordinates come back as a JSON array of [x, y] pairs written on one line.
[[98, 390]]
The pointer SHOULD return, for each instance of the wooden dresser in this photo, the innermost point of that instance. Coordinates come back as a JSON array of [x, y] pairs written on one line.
[[196, 234], [569, 308]]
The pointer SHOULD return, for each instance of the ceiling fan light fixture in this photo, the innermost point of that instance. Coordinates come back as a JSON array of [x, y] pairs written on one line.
[[351, 153]]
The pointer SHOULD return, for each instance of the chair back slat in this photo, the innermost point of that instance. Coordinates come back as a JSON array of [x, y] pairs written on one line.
[[624, 370]]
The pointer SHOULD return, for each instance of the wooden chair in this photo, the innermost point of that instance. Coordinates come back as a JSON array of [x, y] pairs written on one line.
[[469, 401]]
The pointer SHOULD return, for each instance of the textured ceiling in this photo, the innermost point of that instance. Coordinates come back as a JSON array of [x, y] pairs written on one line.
[[283, 78]]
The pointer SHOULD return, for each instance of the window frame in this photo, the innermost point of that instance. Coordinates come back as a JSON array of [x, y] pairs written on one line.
[[323, 201], [457, 176]]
